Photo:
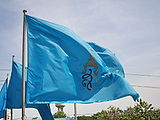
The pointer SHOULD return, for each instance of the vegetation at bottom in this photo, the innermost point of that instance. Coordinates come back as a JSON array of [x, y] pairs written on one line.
[[60, 114], [141, 111]]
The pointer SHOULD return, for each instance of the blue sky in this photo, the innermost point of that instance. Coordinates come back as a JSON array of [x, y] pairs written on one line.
[[130, 29]]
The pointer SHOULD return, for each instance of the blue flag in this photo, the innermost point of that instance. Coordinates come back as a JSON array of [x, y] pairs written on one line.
[[3, 95], [62, 68], [14, 94]]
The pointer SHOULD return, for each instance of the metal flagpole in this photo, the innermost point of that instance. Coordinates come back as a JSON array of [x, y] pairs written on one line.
[[23, 65], [13, 58], [6, 116], [75, 111], [11, 114]]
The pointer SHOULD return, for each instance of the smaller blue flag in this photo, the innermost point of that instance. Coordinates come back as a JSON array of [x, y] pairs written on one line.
[[3, 94], [14, 94]]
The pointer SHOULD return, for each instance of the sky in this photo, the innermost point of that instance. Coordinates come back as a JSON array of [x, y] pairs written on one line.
[[129, 28]]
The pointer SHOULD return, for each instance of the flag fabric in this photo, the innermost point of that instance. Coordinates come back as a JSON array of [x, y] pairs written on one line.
[[14, 94], [45, 111], [109, 58], [3, 95], [62, 68]]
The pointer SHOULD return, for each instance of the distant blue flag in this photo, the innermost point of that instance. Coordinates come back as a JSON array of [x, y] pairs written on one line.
[[3, 95], [62, 68], [14, 94]]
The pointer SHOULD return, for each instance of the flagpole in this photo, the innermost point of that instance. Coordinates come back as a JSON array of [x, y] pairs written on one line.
[[75, 111], [23, 65], [6, 116], [13, 58], [11, 114]]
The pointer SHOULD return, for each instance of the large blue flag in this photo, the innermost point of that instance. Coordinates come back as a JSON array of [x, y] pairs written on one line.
[[3, 95], [62, 68], [14, 94]]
